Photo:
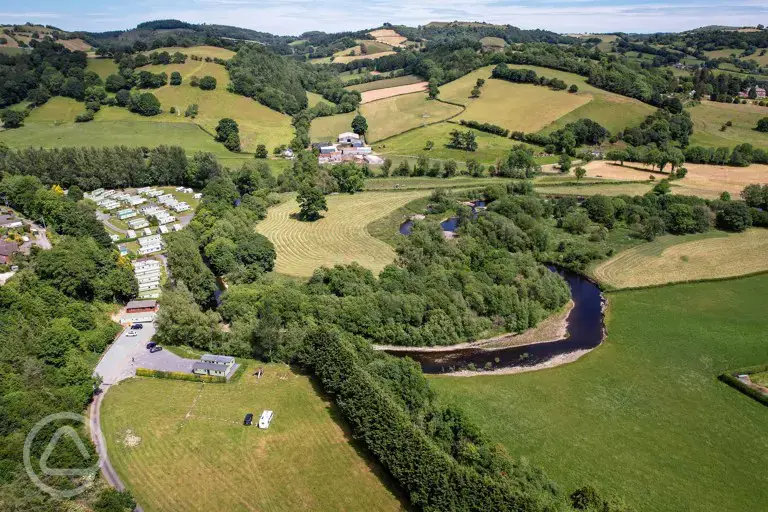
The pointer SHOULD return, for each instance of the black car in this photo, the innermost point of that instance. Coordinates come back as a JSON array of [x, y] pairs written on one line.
[[137, 326], [156, 348], [151, 345], [248, 420]]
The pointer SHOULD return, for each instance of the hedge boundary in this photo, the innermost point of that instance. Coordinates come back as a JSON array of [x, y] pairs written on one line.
[[608, 289], [159, 374], [730, 378]]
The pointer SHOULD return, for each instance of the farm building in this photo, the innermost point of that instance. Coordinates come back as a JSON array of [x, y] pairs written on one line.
[[350, 138], [217, 366], [9, 222]]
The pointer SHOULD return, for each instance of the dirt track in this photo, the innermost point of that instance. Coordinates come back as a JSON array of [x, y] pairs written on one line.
[[380, 94]]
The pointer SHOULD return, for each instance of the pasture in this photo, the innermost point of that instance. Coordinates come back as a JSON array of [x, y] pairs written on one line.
[[200, 51], [386, 117], [102, 67], [388, 37], [385, 83], [182, 446], [340, 237], [671, 259], [644, 411], [610, 188], [489, 147], [389, 92], [531, 108], [709, 117], [313, 98]]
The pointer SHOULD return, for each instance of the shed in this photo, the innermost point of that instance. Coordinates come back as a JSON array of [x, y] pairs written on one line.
[[141, 306]]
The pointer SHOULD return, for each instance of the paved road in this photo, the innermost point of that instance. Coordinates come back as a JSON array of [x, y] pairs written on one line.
[[119, 363]]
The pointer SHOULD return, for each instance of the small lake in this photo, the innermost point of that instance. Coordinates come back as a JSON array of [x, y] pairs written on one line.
[[450, 224]]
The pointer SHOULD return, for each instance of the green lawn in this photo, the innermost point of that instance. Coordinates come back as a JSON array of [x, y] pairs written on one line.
[[182, 446], [644, 416]]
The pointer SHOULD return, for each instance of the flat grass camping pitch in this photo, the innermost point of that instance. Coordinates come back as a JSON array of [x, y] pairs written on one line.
[[671, 259], [709, 117], [182, 446], [340, 237]]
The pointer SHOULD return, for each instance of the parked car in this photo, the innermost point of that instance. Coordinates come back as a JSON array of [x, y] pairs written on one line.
[[131, 334], [156, 348], [266, 419], [151, 345], [248, 420], [137, 326]]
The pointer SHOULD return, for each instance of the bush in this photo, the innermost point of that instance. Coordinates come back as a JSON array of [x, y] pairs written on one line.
[[85, 117], [733, 381], [762, 125], [573, 88], [12, 118], [175, 78], [158, 374], [207, 83], [734, 216]]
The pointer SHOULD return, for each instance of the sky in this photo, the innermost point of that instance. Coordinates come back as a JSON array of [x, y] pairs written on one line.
[[292, 17]]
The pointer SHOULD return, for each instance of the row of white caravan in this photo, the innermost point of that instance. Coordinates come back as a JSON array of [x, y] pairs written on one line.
[[147, 272], [163, 230], [171, 202], [110, 199], [150, 244]]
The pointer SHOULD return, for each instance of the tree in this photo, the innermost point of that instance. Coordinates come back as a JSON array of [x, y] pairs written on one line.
[[311, 202], [359, 125], [600, 209], [12, 118], [175, 78], [762, 125], [475, 93], [112, 500], [564, 162], [429, 145], [617, 155], [573, 88], [74, 193], [349, 177], [449, 169], [580, 172], [228, 133], [180, 320], [207, 83], [474, 168], [432, 89], [145, 104], [662, 187], [734, 216], [261, 151]]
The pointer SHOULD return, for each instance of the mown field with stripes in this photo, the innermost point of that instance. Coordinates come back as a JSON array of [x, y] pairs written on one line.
[[187, 449], [671, 259], [340, 237]]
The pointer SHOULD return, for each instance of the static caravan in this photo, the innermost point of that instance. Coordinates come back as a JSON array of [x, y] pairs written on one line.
[[266, 419]]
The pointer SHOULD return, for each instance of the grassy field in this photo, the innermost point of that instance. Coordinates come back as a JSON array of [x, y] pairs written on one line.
[[709, 116], [399, 183], [182, 446], [386, 118], [102, 67], [385, 83], [493, 42], [200, 51], [338, 238], [489, 147], [315, 98], [531, 108], [607, 189], [671, 259], [644, 416], [52, 125]]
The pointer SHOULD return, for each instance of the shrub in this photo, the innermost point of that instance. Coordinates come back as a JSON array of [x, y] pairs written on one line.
[[762, 125], [158, 374], [573, 88], [84, 117], [207, 83]]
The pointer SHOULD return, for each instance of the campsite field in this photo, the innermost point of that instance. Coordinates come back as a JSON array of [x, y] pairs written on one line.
[[182, 446], [671, 259], [386, 118], [645, 409], [709, 117], [340, 237]]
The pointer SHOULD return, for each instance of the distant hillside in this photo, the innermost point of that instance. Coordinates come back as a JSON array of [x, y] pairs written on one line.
[[478, 30], [28, 34]]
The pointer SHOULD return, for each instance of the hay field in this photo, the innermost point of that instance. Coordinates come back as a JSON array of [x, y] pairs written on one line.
[[672, 259], [200, 51], [606, 189], [390, 92], [489, 147], [75, 45], [340, 237], [182, 446], [388, 37], [493, 42], [707, 181], [532, 108], [709, 116], [395, 115], [385, 83], [327, 129]]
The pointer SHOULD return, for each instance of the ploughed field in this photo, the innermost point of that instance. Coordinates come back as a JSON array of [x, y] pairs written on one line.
[[182, 446], [672, 259], [644, 416], [340, 237]]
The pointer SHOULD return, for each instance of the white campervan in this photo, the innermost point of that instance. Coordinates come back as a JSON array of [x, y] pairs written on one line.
[[266, 419]]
